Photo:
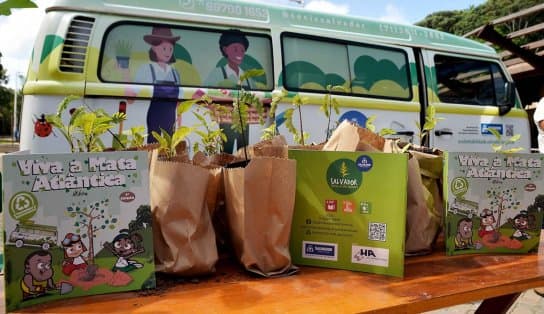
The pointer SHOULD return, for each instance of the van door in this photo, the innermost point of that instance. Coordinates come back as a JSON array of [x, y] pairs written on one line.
[[472, 95]]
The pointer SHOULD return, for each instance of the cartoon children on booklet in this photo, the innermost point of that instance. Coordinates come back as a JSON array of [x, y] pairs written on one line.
[[38, 277], [124, 246], [521, 225], [73, 253], [463, 238]]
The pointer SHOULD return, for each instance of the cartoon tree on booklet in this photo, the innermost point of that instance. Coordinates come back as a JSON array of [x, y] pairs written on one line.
[[143, 219], [502, 200], [91, 219]]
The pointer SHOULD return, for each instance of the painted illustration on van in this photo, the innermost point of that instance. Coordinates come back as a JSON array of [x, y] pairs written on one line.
[[76, 225]]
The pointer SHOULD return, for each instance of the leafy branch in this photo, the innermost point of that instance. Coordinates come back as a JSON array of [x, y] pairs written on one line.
[[501, 146], [299, 136], [430, 123], [85, 127]]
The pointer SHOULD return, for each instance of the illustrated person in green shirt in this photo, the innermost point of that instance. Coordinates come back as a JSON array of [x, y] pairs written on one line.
[[233, 45]]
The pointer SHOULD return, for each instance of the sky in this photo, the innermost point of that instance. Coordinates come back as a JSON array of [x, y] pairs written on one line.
[[18, 31]]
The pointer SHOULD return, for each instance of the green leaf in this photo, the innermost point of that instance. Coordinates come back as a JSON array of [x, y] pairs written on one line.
[[184, 106], [8, 5], [251, 73]]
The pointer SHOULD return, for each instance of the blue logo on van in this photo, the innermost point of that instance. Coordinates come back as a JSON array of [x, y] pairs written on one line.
[[354, 117], [485, 126]]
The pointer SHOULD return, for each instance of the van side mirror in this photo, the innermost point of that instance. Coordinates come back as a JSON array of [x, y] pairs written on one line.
[[509, 98]]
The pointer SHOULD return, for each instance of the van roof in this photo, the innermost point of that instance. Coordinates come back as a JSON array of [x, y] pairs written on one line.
[[265, 16]]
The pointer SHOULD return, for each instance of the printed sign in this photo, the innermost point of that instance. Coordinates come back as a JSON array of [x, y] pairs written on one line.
[[75, 225], [495, 202], [350, 211]]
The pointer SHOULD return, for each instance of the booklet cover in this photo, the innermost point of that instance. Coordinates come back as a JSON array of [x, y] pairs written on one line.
[[75, 225], [494, 202], [350, 211]]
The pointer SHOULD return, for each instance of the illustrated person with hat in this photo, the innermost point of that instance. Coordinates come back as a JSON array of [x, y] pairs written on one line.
[[486, 223], [73, 253], [165, 79]]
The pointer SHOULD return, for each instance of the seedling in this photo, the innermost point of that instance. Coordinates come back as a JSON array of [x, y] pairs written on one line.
[[501, 146], [371, 127], [213, 137], [329, 104], [85, 127], [430, 123]]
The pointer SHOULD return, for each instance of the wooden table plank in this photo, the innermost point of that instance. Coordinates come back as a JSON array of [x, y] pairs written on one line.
[[430, 282]]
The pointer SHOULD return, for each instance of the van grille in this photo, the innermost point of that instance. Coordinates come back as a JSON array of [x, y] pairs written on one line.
[[74, 51]]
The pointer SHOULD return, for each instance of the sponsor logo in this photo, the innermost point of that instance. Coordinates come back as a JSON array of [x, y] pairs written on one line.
[[347, 206], [343, 176], [459, 186], [530, 187], [485, 126], [364, 163], [320, 250], [369, 255], [23, 206], [331, 205], [127, 197]]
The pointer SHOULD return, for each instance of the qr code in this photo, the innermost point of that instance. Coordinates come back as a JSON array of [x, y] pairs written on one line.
[[376, 231], [509, 129]]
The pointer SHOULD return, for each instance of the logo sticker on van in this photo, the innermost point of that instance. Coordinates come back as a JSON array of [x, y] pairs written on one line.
[[485, 126]]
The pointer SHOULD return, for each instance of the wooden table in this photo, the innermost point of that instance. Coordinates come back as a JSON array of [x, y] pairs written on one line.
[[430, 282]]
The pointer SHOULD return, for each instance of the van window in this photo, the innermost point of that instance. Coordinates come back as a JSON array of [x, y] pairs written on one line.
[[362, 69], [467, 81], [168, 54]]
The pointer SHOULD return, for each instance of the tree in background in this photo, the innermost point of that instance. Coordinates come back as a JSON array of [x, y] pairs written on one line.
[[460, 22]]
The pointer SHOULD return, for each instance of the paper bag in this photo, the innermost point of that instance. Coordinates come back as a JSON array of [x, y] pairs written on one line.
[[260, 199], [183, 235]]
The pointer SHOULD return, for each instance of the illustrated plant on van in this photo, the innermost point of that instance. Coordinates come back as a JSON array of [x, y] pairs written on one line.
[[500, 147], [90, 220], [86, 126], [123, 49]]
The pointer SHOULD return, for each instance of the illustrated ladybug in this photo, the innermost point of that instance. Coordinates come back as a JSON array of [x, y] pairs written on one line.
[[42, 128]]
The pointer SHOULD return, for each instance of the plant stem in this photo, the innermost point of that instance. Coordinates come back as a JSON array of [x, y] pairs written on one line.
[[329, 120], [301, 129], [242, 126]]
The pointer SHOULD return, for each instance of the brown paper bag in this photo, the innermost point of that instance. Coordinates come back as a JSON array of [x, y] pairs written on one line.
[[183, 235], [260, 200]]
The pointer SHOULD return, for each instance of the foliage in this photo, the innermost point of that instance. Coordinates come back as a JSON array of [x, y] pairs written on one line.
[[299, 135], [144, 219], [430, 123], [501, 146], [460, 22], [91, 219], [213, 137], [3, 72], [8, 5], [168, 143], [85, 127], [329, 104], [272, 130], [133, 137], [502, 199], [371, 127]]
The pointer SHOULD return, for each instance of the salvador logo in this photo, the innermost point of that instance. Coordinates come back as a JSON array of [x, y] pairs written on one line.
[[343, 176]]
